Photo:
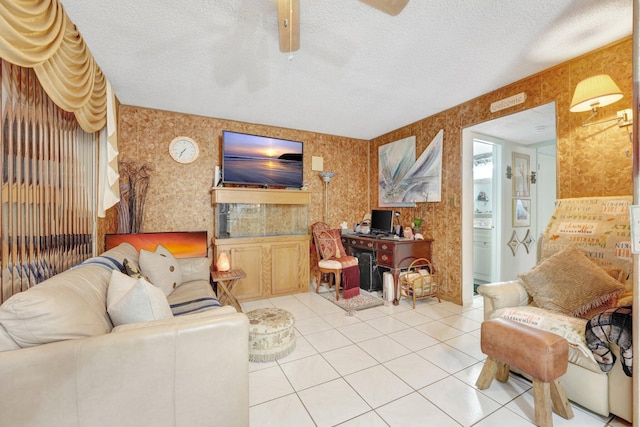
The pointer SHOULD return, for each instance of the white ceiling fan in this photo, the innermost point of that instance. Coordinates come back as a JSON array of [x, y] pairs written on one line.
[[289, 19]]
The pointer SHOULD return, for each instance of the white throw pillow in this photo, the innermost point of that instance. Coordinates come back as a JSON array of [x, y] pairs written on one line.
[[132, 300], [162, 268]]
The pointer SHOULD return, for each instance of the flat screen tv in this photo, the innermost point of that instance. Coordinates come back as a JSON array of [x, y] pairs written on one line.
[[260, 160], [381, 221]]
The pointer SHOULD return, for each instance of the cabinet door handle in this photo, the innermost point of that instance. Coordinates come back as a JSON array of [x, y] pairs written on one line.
[[384, 246], [353, 242], [384, 257], [370, 244]]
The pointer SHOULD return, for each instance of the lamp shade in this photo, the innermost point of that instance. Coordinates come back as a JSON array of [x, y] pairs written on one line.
[[596, 91], [222, 263]]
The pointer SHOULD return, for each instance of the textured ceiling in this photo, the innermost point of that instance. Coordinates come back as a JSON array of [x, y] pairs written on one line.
[[359, 72]]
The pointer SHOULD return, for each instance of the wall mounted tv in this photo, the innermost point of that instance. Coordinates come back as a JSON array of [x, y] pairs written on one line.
[[260, 160]]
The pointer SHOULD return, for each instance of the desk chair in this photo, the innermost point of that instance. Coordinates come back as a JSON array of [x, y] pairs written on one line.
[[333, 258]]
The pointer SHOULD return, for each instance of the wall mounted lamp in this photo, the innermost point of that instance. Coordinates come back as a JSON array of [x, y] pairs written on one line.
[[595, 92], [532, 177]]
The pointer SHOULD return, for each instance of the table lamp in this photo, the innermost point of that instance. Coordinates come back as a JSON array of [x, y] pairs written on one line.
[[222, 263]]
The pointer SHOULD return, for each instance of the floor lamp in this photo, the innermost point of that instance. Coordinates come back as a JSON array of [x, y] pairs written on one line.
[[326, 177]]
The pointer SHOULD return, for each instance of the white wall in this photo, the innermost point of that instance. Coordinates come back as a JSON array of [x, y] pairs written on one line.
[[512, 265]]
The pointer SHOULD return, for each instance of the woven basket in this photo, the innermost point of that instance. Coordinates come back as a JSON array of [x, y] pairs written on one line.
[[420, 281]]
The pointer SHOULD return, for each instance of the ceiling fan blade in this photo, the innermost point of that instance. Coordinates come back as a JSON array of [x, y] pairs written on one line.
[[289, 25], [392, 7]]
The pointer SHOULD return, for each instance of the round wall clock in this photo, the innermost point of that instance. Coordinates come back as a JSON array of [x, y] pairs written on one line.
[[184, 149]]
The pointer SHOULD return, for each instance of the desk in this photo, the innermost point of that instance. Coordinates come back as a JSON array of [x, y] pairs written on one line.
[[225, 281], [394, 254]]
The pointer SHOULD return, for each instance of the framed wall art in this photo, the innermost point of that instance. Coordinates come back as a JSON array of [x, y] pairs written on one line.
[[521, 212], [521, 173], [394, 161], [405, 181]]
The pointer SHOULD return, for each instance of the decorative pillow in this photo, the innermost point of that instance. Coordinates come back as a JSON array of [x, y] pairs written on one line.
[[568, 282], [329, 243], [570, 328], [132, 300], [162, 268], [132, 269], [617, 273]]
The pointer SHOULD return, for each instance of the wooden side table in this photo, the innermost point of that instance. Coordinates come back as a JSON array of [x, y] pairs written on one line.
[[225, 281]]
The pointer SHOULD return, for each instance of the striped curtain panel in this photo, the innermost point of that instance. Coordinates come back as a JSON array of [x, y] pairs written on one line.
[[48, 184]]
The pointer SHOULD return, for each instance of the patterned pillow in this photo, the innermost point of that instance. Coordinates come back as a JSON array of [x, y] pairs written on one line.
[[570, 328], [568, 282], [329, 243], [132, 269]]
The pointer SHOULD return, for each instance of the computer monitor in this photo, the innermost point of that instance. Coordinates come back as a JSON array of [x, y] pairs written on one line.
[[381, 221]]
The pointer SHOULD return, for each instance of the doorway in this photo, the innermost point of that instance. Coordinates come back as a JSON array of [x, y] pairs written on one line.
[[528, 135], [486, 191]]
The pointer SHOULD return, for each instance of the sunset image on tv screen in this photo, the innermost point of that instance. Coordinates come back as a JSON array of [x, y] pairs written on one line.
[[252, 159]]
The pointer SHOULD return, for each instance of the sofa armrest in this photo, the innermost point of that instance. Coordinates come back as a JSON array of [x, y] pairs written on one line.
[[502, 294], [189, 372]]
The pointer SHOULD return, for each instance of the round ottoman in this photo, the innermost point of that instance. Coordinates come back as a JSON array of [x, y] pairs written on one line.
[[271, 334]]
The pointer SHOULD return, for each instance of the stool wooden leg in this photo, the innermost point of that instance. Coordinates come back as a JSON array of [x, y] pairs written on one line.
[[560, 402], [542, 403], [503, 372], [486, 375]]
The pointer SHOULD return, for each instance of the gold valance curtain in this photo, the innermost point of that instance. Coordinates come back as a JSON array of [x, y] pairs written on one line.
[[38, 34]]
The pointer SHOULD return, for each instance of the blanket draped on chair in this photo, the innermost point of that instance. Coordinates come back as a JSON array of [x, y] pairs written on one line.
[[350, 282], [611, 326]]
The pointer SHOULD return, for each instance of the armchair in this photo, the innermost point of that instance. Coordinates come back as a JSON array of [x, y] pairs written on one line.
[[585, 267]]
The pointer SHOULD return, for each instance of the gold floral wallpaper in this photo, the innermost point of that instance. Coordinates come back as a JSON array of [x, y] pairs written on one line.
[[590, 161], [178, 197]]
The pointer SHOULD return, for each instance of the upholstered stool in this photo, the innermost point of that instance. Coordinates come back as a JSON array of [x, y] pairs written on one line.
[[540, 354], [271, 334]]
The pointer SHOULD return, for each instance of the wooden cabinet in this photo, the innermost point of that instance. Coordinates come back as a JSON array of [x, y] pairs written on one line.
[[265, 233], [482, 255]]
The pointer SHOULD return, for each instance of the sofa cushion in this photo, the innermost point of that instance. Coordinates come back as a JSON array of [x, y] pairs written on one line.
[[192, 297], [568, 282], [162, 268], [6, 342], [69, 305], [194, 268], [131, 300]]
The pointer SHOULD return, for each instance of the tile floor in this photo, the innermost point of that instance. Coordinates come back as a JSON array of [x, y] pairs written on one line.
[[388, 366]]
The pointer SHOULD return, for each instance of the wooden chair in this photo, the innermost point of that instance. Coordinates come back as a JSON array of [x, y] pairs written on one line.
[[331, 254], [420, 281]]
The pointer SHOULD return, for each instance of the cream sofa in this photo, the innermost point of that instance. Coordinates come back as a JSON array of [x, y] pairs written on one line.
[[63, 364], [599, 227]]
